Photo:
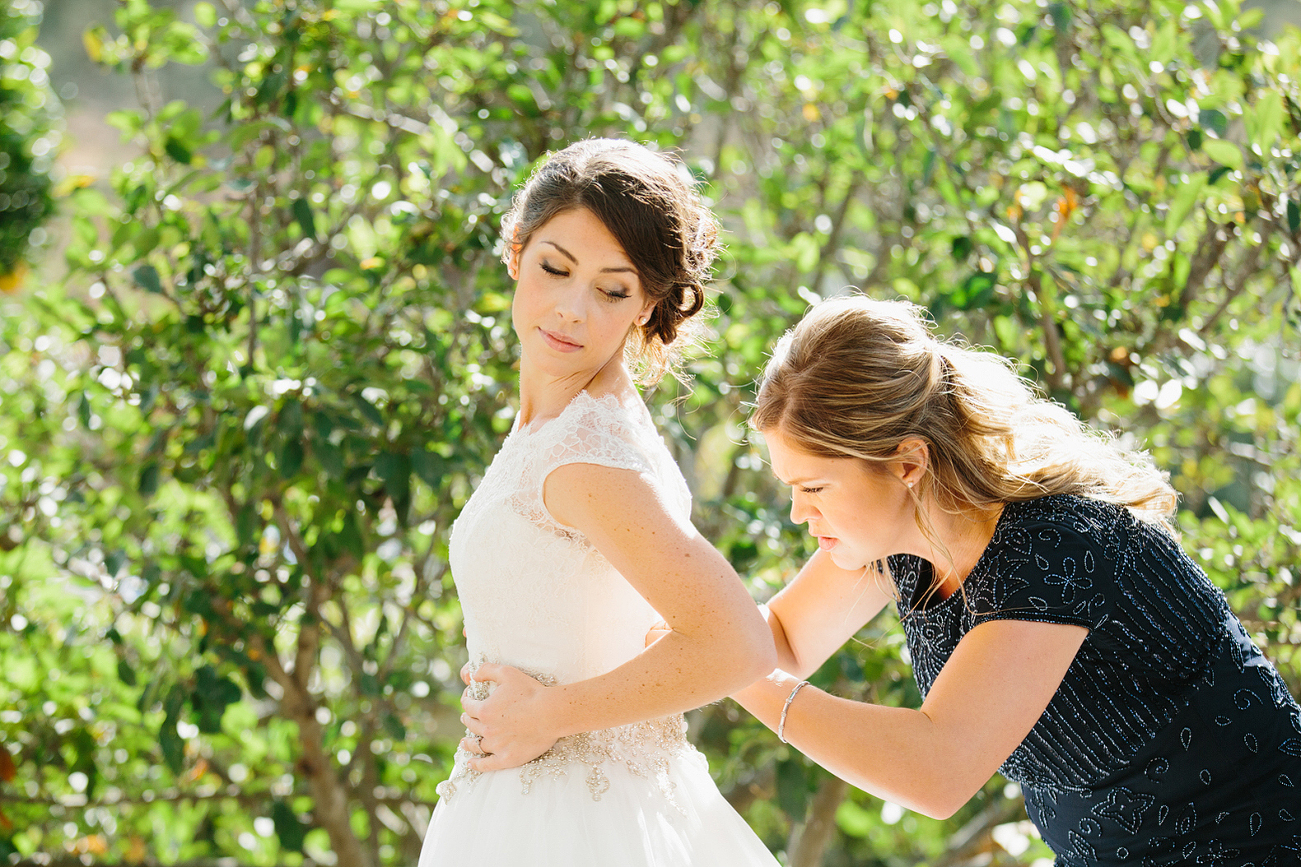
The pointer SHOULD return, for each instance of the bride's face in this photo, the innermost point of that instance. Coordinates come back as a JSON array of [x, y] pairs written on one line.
[[577, 295]]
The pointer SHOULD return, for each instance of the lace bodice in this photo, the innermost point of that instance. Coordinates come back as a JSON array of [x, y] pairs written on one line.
[[538, 596]]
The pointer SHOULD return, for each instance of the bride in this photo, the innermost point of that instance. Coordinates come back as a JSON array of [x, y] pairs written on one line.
[[579, 539]]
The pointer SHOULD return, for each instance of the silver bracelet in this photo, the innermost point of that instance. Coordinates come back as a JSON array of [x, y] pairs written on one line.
[[781, 724]]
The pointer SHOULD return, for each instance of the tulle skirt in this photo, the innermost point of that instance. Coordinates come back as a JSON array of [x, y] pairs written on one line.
[[568, 817]]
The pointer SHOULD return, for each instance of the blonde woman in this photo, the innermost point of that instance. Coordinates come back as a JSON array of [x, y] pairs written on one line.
[[1057, 631]]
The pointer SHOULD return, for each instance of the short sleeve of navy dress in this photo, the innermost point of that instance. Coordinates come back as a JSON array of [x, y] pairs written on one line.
[[1171, 740]]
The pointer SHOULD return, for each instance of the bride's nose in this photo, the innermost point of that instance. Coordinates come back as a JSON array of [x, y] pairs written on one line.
[[571, 306]]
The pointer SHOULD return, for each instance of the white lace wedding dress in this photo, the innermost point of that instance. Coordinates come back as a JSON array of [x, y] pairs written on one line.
[[539, 597]]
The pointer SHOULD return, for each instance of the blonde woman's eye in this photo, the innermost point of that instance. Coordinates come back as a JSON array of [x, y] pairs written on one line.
[[616, 294], [553, 271], [810, 490]]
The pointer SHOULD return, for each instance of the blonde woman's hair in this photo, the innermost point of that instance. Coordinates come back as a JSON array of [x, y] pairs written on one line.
[[857, 377]]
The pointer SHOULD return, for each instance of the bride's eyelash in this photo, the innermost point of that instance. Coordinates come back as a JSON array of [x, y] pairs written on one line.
[[610, 294], [804, 490]]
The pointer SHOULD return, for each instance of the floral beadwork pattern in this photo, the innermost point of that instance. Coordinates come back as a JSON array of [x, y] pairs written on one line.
[[1171, 740], [643, 749]]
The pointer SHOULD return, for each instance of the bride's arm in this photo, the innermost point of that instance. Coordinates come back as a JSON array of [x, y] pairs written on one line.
[[717, 641]]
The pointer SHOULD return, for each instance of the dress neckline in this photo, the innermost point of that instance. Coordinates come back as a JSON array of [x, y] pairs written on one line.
[[924, 601], [610, 400]]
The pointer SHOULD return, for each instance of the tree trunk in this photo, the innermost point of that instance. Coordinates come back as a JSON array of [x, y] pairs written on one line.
[[329, 795], [810, 840]]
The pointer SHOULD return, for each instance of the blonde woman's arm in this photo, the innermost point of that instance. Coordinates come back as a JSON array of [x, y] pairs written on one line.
[[820, 609], [988, 696], [717, 641]]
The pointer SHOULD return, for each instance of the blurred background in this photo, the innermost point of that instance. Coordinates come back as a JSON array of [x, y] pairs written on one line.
[[253, 357]]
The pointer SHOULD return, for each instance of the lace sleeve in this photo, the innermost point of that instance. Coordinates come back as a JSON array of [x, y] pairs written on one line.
[[599, 431]]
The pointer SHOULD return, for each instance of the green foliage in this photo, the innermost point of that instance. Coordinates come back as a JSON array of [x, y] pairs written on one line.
[[28, 138], [236, 435]]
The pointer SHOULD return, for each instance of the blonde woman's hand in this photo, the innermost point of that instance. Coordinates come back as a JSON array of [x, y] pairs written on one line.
[[658, 631], [508, 728]]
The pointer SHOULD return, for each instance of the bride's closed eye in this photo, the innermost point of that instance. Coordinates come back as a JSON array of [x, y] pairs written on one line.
[[615, 294]]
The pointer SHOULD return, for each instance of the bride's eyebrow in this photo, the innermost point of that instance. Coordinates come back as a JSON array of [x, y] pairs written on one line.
[[570, 256]]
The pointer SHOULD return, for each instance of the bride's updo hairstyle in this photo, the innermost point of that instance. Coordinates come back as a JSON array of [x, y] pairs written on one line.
[[857, 377], [644, 199]]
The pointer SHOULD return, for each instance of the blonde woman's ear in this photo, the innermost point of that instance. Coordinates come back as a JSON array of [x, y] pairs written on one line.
[[913, 457]]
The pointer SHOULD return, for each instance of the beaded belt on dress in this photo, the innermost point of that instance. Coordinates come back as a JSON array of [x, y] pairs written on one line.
[[643, 748]]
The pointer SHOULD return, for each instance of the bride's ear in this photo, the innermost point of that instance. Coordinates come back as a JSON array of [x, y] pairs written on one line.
[[512, 264]]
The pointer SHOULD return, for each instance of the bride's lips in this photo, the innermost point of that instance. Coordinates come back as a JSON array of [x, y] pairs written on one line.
[[826, 543], [559, 342]]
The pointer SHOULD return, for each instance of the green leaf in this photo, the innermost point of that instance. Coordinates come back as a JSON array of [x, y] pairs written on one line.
[[394, 726], [792, 787], [1213, 121], [1223, 152], [1265, 120], [975, 292], [205, 15], [291, 458], [169, 740], [289, 830], [148, 484], [350, 536], [629, 28], [243, 134], [129, 122], [368, 410], [306, 221], [247, 525], [178, 151], [330, 458], [146, 277], [429, 466], [1251, 18], [1185, 199], [125, 672], [961, 248], [212, 695]]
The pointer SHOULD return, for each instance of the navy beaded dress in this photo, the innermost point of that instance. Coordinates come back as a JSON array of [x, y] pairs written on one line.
[[1171, 740]]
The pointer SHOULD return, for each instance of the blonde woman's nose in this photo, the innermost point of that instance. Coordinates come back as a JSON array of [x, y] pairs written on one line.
[[801, 511]]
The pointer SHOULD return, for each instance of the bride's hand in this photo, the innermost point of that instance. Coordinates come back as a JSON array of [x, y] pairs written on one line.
[[506, 726]]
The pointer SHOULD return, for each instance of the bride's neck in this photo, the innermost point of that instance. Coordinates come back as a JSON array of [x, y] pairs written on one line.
[[543, 397]]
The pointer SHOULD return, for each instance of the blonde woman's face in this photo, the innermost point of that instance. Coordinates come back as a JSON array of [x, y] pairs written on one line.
[[858, 511], [577, 296]]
